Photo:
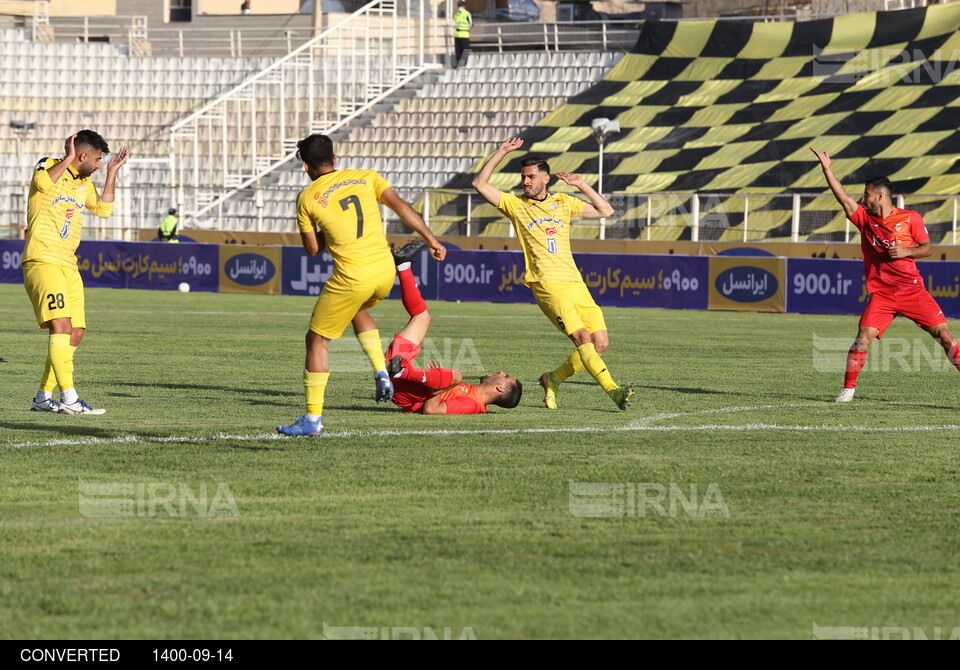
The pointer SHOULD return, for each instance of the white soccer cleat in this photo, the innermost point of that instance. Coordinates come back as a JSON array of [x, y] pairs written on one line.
[[79, 407], [45, 405], [846, 395]]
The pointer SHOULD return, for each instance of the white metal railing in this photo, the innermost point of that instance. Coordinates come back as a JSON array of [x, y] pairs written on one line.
[[118, 29], [725, 217], [569, 35], [234, 42], [318, 87], [744, 217]]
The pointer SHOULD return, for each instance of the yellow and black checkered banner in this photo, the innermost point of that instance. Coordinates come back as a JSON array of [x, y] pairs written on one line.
[[733, 107], [250, 269], [747, 284]]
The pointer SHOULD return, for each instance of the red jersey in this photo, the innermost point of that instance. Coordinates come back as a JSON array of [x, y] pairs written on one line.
[[902, 227], [461, 399]]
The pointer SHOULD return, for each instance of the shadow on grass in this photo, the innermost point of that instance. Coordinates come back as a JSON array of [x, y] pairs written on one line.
[[684, 389], [205, 387], [71, 429]]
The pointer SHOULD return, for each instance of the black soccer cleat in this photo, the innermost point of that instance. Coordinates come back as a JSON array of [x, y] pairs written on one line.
[[408, 251], [395, 367]]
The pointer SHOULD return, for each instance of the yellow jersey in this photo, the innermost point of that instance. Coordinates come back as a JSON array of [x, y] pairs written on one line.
[[343, 205], [543, 228], [55, 214]]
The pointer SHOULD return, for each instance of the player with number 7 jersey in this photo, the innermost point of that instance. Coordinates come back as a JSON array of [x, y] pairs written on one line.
[[340, 211]]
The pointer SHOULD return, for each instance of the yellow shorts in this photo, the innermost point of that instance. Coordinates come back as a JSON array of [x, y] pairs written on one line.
[[55, 292], [569, 306], [341, 299]]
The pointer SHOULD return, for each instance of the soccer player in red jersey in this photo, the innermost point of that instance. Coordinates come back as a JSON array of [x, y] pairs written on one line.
[[436, 390], [891, 239]]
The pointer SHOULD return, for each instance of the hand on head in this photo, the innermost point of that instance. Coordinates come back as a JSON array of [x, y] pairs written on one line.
[[570, 178], [69, 150]]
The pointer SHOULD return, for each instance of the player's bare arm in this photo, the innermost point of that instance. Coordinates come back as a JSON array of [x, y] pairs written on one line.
[[849, 204], [434, 406], [70, 153], [313, 242], [413, 221], [481, 183], [922, 250], [113, 167], [598, 208]]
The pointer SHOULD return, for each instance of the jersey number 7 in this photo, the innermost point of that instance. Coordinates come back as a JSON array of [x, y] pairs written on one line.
[[355, 201]]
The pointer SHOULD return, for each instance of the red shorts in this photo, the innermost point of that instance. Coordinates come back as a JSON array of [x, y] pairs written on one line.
[[915, 304], [407, 395]]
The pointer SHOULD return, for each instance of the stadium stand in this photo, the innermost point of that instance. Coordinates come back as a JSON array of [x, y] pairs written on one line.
[[427, 140], [724, 107]]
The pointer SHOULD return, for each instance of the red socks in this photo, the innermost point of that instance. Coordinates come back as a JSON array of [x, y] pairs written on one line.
[[855, 362], [434, 378], [410, 294]]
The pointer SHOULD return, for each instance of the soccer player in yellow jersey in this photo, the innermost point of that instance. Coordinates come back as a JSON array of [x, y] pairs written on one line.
[[60, 192], [339, 210], [542, 222]]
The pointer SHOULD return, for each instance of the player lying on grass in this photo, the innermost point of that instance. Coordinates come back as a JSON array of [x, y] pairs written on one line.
[[436, 390], [890, 239]]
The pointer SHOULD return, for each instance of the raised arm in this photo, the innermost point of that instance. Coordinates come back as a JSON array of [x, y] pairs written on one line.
[[849, 204], [598, 208], [113, 167], [414, 222], [57, 170], [481, 183]]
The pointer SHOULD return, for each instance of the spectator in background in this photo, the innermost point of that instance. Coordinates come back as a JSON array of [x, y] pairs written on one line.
[[461, 34], [169, 230], [245, 7]]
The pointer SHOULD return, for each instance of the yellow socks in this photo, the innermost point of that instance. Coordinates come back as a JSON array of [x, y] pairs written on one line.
[[595, 366], [60, 355], [570, 367], [314, 387], [373, 348], [49, 380]]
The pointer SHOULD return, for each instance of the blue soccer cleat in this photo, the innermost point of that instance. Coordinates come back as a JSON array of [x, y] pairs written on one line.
[[303, 427], [384, 386]]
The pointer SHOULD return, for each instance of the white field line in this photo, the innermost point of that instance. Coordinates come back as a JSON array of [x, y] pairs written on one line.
[[638, 425]]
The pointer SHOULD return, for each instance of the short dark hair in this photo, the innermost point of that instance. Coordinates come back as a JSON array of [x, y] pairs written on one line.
[[91, 139], [511, 397], [881, 183], [537, 161], [316, 150]]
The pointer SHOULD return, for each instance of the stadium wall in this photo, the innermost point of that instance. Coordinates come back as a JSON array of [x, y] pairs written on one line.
[[585, 246], [83, 7], [232, 7], [721, 282]]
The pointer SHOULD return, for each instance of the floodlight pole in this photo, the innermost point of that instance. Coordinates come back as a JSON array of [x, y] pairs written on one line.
[[602, 129]]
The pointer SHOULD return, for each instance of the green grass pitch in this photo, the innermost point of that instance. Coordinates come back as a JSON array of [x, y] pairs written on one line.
[[836, 516]]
